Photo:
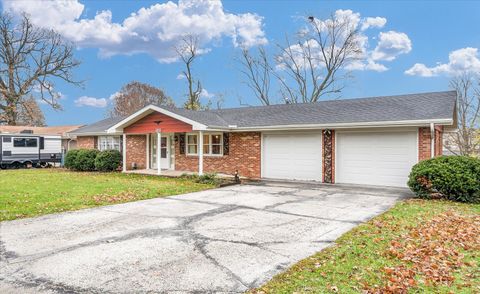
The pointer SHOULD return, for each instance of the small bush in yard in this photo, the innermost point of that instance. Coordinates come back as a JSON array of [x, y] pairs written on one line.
[[86, 159], [449, 177], [71, 159], [208, 179], [108, 160]]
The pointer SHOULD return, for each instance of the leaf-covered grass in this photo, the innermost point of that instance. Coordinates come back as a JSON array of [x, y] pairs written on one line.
[[33, 192], [419, 246]]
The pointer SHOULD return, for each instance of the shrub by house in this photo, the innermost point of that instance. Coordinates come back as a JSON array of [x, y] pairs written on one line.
[[448, 177]]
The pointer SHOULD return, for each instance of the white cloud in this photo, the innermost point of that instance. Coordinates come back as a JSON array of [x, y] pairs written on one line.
[[113, 96], [366, 65], [390, 45], [459, 61], [181, 76], [373, 22], [91, 101], [154, 30], [206, 94]]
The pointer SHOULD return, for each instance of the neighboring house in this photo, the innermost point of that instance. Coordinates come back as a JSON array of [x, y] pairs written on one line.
[[450, 146], [371, 141], [68, 142]]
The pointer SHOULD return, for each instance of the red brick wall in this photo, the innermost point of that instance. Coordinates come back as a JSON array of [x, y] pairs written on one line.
[[136, 151], [87, 142], [244, 156], [424, 142]]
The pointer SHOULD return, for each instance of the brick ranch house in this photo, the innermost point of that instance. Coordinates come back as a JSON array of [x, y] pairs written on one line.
[[357, 141]]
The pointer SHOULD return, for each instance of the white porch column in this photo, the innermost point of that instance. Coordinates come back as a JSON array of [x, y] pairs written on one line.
[[159, 147], [432, 140], [124, 152], [147, 164], [200, 153]]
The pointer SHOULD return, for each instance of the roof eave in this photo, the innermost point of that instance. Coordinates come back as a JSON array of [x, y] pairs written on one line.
[[94, 134], [405, 123]]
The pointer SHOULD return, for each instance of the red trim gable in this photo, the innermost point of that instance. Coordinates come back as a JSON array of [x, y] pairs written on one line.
[[148, 125]]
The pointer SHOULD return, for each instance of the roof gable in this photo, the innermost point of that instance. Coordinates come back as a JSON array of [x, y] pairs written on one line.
[[157, 121]]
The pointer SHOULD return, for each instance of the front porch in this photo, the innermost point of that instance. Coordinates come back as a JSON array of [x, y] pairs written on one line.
[[153, 143]]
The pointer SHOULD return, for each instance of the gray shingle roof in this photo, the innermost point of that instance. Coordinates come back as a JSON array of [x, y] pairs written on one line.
[[421, 106], [99, 126], [437, 105]]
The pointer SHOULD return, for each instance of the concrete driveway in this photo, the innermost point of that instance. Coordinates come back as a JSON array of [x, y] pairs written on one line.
[[223, 240]]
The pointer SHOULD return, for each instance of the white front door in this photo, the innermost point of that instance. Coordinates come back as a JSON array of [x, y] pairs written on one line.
[[376, 158], [294, 156], [164, 152]]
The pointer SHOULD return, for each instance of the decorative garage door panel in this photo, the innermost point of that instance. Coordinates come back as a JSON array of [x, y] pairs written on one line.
[[375, 158], [292, 156]]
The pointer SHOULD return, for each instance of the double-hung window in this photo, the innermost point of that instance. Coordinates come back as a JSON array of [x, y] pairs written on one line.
[[212, 144], [109, 143], [192, 144]]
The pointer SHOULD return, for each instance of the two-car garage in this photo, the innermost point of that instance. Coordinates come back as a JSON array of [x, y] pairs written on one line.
[[369, 158]]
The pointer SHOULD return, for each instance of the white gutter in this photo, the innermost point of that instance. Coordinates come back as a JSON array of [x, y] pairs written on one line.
[[97, 134], [404, 123]]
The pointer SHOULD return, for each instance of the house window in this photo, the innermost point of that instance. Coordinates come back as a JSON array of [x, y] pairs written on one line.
[[212, 144], [109, 143], [192, 148], [25, 142], [216, 142]]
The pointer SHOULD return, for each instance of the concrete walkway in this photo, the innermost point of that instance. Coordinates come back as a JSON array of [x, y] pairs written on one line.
[[223, 240]]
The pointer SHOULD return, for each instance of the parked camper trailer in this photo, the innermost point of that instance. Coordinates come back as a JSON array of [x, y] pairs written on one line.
[[23, 150]]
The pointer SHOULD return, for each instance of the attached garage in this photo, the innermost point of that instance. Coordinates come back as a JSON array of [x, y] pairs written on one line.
[[292, 156], [375, 158]]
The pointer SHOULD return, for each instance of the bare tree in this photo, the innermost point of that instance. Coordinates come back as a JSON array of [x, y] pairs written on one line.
[[257, 70], [30, 113], [188, 50], [31, 59], [136, 95], [315, 65], [466, 140]]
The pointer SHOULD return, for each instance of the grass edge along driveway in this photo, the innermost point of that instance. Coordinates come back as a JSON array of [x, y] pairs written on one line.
[[418, 246], [34, 192]]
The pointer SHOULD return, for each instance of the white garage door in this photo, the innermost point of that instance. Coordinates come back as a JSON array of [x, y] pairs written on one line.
[[292, 156], [375, 158]]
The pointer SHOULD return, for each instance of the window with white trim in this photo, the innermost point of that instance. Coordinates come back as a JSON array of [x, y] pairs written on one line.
[[192, 144], [212, 144], [109, 143], [215, 146]]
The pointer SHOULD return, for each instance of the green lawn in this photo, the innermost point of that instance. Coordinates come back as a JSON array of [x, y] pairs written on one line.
[[416, 247], [32, 192]]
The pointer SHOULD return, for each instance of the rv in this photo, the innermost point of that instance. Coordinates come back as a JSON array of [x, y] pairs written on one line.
[[29, 150]]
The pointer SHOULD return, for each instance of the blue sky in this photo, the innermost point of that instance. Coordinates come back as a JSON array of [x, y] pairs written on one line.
[[441, 36]]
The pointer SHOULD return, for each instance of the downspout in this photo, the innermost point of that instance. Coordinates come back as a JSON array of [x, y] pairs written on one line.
[[432, 140]]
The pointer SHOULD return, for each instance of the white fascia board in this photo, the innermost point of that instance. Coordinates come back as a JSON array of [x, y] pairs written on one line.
[[149, 109], [96, 134], [410, 123]]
